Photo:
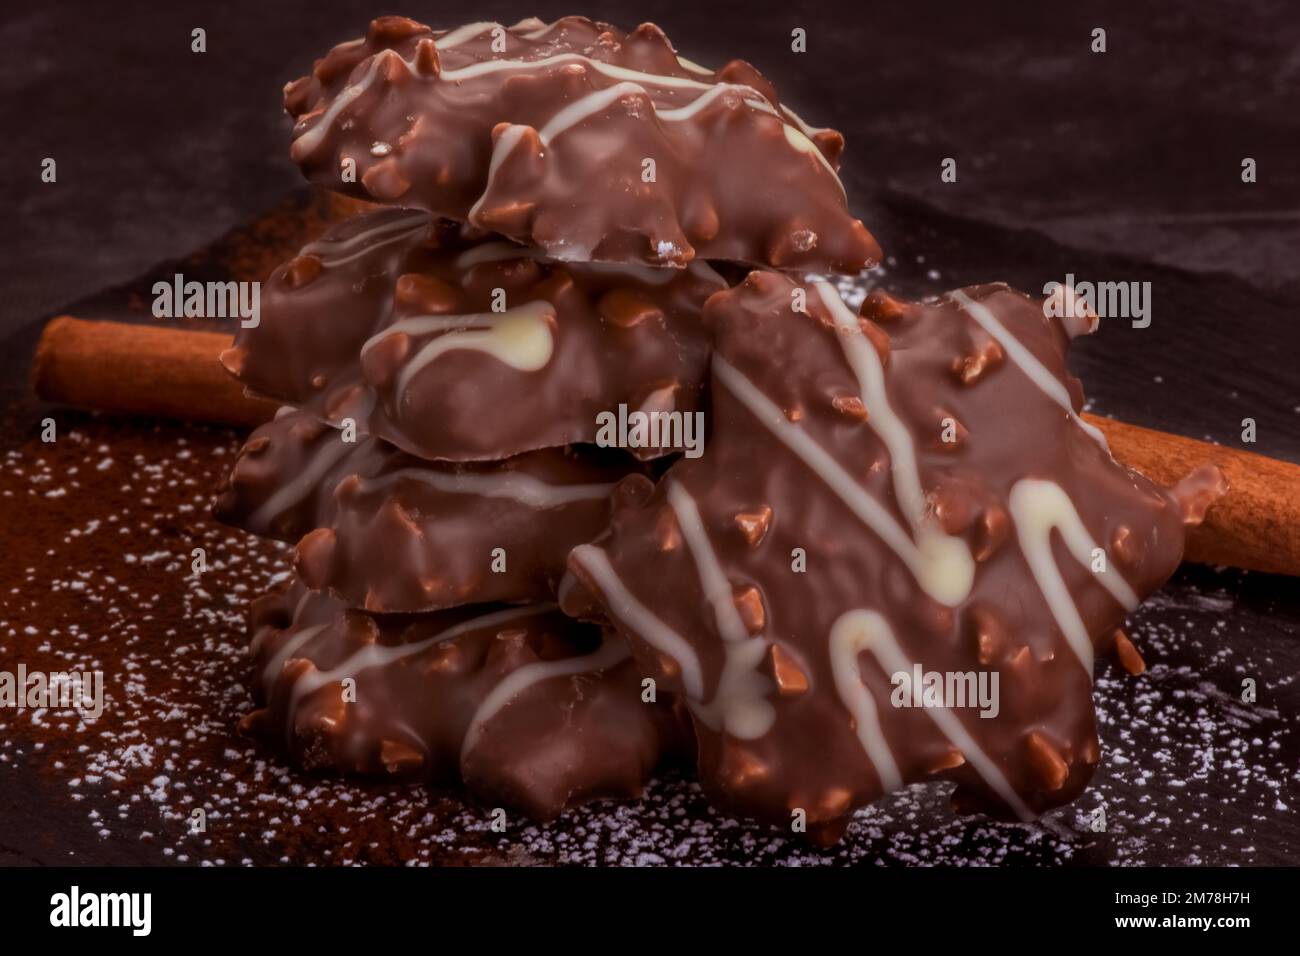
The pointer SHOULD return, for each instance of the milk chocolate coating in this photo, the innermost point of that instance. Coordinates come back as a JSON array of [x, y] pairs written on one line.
[[550, 139], [388, 532], [394, 320], [527, 708], [787, 666]]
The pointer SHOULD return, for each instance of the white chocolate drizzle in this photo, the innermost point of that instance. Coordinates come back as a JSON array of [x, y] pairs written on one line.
[[310, 138], [505, 145], [662, 399], [264, 634], [950, 552], [380, 655], [598, 100], [682, 113], [281, 656], [625, 608], [329, 454], [693, 67], [337, 252], [611, 652], [1038, 507], [739, 704], [520, 337], [580, 109], [1036, 372], [525, 489], [806, 128], [537, 27], [863, 630], [496, 252], [943, 569], [451, 38], [648, 275], [615, 72], [865, 363]]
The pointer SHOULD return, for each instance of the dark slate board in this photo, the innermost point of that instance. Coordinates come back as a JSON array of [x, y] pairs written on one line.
[[1190, 774]]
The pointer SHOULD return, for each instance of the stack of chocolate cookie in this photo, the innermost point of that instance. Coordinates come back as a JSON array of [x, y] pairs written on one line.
[[570, 210]]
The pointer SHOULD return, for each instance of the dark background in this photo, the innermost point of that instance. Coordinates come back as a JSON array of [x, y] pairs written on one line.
[[1138, 151]]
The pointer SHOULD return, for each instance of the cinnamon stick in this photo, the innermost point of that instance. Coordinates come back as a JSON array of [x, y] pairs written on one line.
[[1256, 525], [172, 373], [141, 370]]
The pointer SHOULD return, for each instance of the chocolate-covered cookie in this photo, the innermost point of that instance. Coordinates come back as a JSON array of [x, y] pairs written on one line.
[[389, 532], [895, 560], [470, 349], [580, 139], [528, 708]]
